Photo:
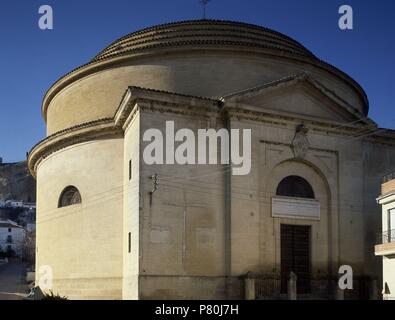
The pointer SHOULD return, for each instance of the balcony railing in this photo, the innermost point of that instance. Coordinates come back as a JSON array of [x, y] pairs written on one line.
[[386, 237]]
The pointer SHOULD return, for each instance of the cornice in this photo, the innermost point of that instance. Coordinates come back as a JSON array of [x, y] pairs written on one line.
[[138, 99], [386, 198], [85, 132], [375, 135], [303, 77], [381, 138], [289, 145], [133, 100], [269, 116]]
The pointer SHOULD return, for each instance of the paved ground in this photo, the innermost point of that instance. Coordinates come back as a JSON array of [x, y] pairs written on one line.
[[12, 284]]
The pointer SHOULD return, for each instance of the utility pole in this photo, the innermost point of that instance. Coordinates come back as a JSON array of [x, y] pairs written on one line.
[[154, 179]]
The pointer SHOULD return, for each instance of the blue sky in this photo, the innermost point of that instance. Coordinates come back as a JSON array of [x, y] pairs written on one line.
[[32, 59]]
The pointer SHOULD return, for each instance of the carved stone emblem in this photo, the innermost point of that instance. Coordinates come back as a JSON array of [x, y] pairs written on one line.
[[300, 143]]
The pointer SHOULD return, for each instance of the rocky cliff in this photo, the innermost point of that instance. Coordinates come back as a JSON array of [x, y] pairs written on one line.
[[16, 183]]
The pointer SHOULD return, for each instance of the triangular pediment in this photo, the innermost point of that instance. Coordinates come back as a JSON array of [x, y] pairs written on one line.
[[298, 95]]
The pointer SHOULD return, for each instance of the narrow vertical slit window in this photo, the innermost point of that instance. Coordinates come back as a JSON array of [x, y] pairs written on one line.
[[130, 170], [130, 242]]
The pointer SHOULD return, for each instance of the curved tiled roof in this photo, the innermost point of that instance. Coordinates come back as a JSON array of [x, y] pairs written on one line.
[[200, 32]]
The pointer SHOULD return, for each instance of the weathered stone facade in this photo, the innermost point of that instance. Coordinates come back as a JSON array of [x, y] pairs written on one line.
[[203, 228]]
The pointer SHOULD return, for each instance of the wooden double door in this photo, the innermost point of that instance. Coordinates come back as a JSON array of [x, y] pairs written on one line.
[[296, 256]]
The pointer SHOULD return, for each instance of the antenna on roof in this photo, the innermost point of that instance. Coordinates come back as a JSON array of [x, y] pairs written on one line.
[[204, 4]]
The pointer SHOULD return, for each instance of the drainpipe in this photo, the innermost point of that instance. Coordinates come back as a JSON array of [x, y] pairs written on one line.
[[228, 213]]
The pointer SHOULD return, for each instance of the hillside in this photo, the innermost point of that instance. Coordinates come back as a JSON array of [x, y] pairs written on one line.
[[16, 183]]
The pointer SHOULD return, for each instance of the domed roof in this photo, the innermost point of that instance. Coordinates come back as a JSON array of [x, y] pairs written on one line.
[[209, 58], [206, 33], [198, 58]]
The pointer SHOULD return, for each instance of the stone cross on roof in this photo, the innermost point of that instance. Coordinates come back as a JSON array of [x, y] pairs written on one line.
[[204, 4]]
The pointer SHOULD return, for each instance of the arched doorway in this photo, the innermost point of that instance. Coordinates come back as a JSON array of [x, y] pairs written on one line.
[[295, 239]]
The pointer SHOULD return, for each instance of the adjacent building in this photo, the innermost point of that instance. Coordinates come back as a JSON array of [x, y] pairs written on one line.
[[112, 226], [17, 210], [12, 238], [386, 239]]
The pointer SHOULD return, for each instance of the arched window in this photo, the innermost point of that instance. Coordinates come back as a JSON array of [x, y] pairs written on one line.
[[69, 197], [294, 186]]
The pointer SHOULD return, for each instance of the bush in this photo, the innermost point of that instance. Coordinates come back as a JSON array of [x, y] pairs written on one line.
[[52, 296]]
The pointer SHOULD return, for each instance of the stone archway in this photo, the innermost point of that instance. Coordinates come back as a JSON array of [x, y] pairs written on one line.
[[302, 213]]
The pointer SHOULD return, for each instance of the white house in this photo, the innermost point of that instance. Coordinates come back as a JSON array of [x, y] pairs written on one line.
[[12, 237], [385, 247], [14, 203]]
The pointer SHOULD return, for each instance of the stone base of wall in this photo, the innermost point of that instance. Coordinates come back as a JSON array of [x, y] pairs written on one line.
[[190, 288], [152, 288], [89, 288]]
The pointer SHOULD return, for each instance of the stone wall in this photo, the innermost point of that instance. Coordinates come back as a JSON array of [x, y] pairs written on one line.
[[82, 243]]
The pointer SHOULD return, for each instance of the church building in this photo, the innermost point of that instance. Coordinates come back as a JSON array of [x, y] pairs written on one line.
[[111, 226]]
